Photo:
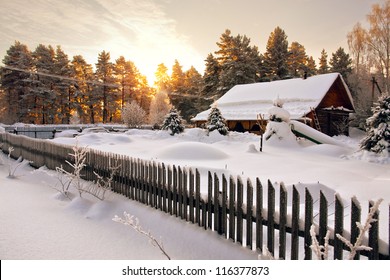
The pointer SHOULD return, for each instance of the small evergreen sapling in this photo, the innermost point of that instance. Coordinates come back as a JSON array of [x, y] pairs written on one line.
[[173, 122], [215, 121], [378, 128]]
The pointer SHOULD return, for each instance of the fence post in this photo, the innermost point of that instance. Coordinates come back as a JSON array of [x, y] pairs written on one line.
[[164, 187], [338, 228], [259, 215], [308, 223], [282, 221], [295, 225], [170, 190], [174, 191], [185, 194], [271, 221]]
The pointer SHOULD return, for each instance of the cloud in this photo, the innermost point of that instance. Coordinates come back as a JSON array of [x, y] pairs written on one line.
[[139, 30]]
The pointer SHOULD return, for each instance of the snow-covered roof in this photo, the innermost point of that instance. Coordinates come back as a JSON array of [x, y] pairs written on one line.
[[245, 102]]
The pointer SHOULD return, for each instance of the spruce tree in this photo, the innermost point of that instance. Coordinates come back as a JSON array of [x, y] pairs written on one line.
[[215, 121], [323, 67], [377, 139], [173, 122], [341, 63], [211, 76]]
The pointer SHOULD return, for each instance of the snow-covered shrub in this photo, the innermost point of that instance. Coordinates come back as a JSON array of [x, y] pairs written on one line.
[[378, 128], [75, 118], [133, 115], [278, 128], [74, 177], [215, 121], [133, 222], [159, 108], [173, 122]]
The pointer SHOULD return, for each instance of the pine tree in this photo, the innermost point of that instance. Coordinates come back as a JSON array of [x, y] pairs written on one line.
[[108, 93], [125, 73], [177, 78], [297, 60], [276, 55], [62, 86], [215, 121], [173, 122], [162, 82], [16, 82], [239, 62], [323, 67], [311, 68], [43, 108], [378, 128], [341, 63], [83, 97], [211, 76]]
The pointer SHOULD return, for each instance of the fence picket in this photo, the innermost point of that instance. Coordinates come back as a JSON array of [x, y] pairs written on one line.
[[282, 221], [217, 212], [191, 195], [232, 216], [249, 214], [295, 225], [224, 206], [259, 215], [308, 224], [323, 223], [210, 201], [355, 218], [373, 235], [338, 228], [240, 197], [197, 199], [271, 219]]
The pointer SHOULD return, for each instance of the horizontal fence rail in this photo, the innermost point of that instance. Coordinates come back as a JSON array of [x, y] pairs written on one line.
[[256, 216]]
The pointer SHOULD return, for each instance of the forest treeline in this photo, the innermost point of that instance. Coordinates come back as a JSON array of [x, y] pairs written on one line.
[[45, 86]]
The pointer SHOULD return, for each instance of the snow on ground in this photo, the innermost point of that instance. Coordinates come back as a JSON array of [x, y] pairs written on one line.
[[40, 225], [37, 223]]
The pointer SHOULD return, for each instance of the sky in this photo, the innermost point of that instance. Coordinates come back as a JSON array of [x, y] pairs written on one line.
[[150, 32]]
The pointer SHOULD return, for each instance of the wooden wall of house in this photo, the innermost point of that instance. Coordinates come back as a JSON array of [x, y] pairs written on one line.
[[336, 96]]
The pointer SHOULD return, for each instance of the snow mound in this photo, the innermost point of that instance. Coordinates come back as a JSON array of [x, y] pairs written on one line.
[[193, 151]]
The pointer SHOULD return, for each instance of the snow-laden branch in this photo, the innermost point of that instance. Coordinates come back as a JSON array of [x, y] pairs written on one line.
[[133, 222]]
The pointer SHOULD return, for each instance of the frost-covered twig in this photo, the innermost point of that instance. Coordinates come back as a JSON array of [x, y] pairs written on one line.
[[354, 248], [12, 167], [102, 185], [321, 251], [133, 222]]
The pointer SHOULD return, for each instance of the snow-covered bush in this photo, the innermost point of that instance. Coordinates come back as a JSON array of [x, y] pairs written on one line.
[[378, 128], [75, 118], [133, 115], [278, 128], [215, 121], [74, 177], [159, 108], [173, 122]]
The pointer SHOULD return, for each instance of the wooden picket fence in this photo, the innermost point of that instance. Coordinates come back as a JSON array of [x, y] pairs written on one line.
[[243, 212]]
